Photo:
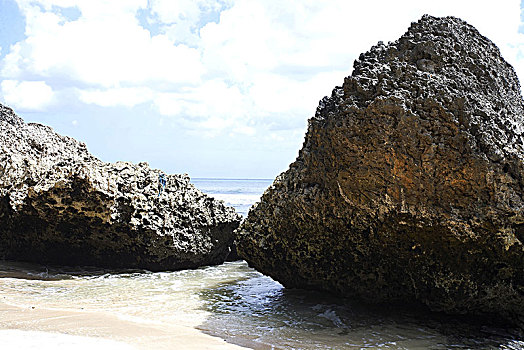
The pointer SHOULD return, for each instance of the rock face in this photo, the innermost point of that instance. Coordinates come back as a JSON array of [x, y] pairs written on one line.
[[409, 185], [59, 204]]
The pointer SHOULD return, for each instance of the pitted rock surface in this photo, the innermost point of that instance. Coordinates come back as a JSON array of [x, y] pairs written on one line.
[[409, 185], [59, 204]]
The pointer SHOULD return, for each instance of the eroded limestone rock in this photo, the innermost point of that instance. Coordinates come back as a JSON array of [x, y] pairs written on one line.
[[59, 204], [409, 185]]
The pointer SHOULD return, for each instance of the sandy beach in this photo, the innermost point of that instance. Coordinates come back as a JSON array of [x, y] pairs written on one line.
[[40, 328]]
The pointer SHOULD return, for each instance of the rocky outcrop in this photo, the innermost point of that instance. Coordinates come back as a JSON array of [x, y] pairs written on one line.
[[409, 185], [59, 204]]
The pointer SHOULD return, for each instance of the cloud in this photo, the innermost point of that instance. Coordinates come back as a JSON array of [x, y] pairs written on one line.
[[105, 47], [181, 20], [27, 95], [213, 107], [231, 67], [125, 97]]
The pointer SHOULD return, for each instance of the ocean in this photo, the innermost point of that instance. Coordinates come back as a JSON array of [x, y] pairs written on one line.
[[238, 193], [236, 303]]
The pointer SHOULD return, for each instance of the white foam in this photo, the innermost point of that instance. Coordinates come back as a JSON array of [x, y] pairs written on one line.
[[237, 199], [332, 316], [13, 339]]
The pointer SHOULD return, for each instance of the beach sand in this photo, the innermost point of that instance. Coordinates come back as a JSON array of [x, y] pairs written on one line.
[[33, 327]]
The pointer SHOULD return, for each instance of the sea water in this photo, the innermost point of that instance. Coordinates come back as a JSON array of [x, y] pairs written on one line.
[[238, 193], [236, 303]]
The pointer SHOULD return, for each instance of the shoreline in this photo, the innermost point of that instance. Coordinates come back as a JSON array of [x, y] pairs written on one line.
[[38, 327]]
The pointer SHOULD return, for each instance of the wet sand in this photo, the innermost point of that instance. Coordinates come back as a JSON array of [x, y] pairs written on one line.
[[40, 328]]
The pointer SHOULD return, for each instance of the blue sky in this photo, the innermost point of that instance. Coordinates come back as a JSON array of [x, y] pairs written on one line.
[[209, 88]]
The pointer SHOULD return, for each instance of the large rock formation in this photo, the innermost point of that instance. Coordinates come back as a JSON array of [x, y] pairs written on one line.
[[409, 185], [59, 204]]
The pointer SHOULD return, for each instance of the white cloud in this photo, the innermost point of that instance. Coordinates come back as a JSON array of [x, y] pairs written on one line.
[[191, 11], [27, 95], [224, 65], [181, 20], [279, 95], [213, 106], [245, 130], [126, 97], [105, 47]]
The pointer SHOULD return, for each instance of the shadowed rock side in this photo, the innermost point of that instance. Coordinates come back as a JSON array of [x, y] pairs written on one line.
[[59, 204], [409, 185]]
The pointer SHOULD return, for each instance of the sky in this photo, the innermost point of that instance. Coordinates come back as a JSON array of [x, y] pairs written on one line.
[[212, 88]]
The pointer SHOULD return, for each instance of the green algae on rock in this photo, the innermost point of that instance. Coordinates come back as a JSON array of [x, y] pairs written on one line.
[[59, 204], [409, 185]]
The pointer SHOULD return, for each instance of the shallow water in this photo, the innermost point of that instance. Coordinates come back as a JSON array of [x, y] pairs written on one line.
[[244, 307], [258, 312]]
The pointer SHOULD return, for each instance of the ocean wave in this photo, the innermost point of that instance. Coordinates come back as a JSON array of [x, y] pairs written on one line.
[[218, 186], [237, 199], [232, 191]]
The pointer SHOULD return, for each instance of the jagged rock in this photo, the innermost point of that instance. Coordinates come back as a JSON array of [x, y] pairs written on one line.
[[59, 204], [409, 185]]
